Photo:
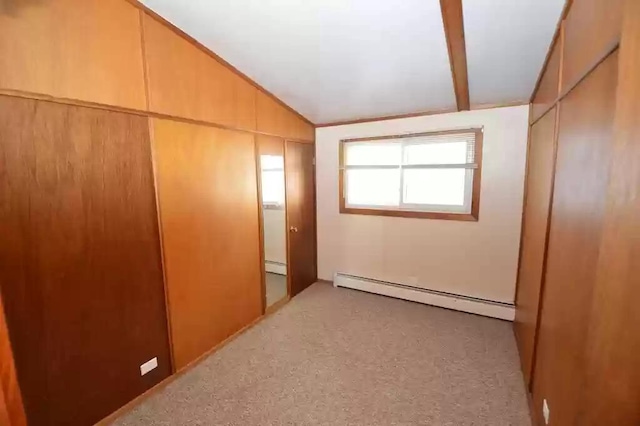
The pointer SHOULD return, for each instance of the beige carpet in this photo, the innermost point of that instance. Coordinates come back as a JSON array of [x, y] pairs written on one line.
[[342, 357], [276, 286]]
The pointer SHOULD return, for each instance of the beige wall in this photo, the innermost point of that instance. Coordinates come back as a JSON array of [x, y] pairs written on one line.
[[275, 236], [476, 259]]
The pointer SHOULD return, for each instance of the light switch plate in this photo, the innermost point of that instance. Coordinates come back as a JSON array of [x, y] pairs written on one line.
[[148, 366]]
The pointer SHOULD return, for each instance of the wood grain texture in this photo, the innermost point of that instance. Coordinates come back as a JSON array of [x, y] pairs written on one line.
[[11, 407], [613, 382], [580, 187], [454, 32], [549, 89], [301, 215], [186, 82], [590, 29], [209, 211], [538, 188], [77, 49], [275, 119], [84, 295]]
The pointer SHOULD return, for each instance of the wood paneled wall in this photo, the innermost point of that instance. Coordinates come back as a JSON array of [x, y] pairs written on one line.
[[541, 164], [89, 50], [209, 210], [184, 81], [587, 348], [117, 54], [82, 276]]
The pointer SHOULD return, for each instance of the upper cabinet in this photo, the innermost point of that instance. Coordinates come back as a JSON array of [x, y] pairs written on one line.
[[590, 29], [87, 50], [549, 88], [185, 81], [275, 119]]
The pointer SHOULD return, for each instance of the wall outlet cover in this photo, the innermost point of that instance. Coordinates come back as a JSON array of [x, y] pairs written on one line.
[[148, 366]]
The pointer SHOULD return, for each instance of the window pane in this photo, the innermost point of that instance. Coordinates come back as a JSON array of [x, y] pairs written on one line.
[[435, 186], [366, 187], [372, 154], [273, 187], [436, 153]]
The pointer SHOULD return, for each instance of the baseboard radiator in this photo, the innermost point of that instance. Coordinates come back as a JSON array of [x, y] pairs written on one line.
[[275, 267], [456, 302]]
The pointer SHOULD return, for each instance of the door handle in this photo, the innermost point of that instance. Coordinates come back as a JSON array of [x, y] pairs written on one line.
[[293, 229]]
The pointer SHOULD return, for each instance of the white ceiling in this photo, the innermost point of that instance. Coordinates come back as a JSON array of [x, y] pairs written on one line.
[[335, 60]]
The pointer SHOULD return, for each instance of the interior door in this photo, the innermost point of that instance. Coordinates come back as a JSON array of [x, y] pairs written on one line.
[[301, 215]]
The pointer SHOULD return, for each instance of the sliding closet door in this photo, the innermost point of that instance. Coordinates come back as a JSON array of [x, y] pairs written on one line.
[[579, 198], [301, 214], [208, 199], [80, 259], [534, 236]]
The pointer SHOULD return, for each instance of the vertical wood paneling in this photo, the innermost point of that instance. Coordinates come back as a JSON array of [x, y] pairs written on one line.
[[549, 88], [591, 27], [275, 119], [83, 292], [534, 236], [208, 202], [582, 170], [184, 81], [613, 384], [301, 215], [88, 50]]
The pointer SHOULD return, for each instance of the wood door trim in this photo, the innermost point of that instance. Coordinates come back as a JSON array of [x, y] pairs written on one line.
[[453, 21], [286, 217], [200, 46], [95, 105]]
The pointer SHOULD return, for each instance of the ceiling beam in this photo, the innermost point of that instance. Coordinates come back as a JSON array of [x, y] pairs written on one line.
[[454, 31]]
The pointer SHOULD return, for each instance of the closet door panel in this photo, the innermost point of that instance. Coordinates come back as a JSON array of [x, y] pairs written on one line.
[[534, 235], [580, 188], [208, 198], [301, 215], [82, 277]]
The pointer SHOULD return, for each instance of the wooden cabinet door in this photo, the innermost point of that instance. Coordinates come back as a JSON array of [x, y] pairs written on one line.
[[534, 236], [208, 199], [301, 215], [80, 258]]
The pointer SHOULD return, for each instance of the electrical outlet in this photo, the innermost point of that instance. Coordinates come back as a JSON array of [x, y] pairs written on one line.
[[545, 411], [148, 366]]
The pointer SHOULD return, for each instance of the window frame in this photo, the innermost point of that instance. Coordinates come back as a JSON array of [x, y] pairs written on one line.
[[473, 215]]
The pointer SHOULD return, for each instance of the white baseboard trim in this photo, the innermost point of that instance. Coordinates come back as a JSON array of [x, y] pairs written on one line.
[[472, 305], [275, 267]]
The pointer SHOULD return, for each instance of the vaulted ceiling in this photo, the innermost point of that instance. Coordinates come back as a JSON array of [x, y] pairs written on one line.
[[337, 60]]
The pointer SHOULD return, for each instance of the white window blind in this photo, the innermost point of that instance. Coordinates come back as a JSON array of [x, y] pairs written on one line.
[[425, 173]]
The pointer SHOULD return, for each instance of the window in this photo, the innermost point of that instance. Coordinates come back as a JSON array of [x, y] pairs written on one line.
[[272, 168], [431, 175]]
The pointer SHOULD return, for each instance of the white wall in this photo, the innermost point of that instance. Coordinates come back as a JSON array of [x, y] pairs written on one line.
[[476, 259], [275, 235]]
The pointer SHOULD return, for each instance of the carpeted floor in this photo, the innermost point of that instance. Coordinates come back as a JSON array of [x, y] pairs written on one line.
[[342, 357]]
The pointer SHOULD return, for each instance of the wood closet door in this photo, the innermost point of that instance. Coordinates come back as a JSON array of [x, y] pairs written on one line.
[[80, 259], [208, 198], [585, 136], [534, 236], [301, 215]]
